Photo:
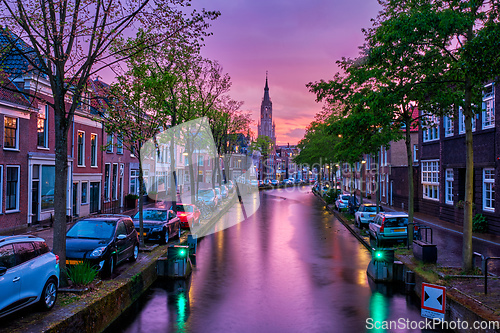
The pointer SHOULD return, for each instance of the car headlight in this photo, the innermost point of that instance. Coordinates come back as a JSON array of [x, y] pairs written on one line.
[[156, 229], [98, 252]]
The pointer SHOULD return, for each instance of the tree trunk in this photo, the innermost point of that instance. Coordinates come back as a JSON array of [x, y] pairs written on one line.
[[141, 198], [409, 161], [469, 178], [60, 187], [377, 191]]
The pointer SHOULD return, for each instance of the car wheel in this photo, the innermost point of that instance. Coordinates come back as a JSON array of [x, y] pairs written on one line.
[[49, 295], [110, 267], [135, 254], [164, 239]]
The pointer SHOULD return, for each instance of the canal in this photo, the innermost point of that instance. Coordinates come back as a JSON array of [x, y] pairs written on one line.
[[290, 267]]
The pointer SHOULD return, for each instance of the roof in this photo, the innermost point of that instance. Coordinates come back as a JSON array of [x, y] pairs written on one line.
[[99, 98], [14, 54], [9, 92]]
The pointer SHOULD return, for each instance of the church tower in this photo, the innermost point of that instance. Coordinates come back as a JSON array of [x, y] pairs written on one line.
[[266, 126]]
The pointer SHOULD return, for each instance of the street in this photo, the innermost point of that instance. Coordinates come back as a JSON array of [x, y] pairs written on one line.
[[291, 267]]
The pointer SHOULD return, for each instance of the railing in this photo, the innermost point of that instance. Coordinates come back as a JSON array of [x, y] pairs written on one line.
[[420, 228], [111, 207], [485, 269]]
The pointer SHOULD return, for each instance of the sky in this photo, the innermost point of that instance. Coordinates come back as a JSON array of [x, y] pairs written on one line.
[[295, 41]]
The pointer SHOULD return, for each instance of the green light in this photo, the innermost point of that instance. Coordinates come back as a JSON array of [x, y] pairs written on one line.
[[182, 253], [379, 255]]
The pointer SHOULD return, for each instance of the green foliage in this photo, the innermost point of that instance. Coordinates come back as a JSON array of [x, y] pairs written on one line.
[[81, 274], [479, 223], [331, 195], [131, 196]]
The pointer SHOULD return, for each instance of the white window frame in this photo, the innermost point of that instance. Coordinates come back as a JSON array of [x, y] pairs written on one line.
[[16, 146], [200, 160], [448, 126], [45, 127], [94, 154], [430, 179], [109, 143], [134, 174], [107, 180], [461, 121], [119, 144], [430, 133], [16, 209], [415, 153], [489, 186], [488, 107], [114, 181], [448, 192], [80, 163]]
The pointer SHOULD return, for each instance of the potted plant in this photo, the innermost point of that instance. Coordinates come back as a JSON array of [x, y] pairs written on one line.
[[131, 200]]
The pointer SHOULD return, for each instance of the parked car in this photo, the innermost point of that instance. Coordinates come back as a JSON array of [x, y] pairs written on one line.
[[254, 182], [208, 197], [275, 182], [342, 201], [224, 191], [218, 193], [29, 273], [353, 204], [159, 224], [188, 214], [389, 226], [324, 189], [365, 214], [230, 186], [105, 241]]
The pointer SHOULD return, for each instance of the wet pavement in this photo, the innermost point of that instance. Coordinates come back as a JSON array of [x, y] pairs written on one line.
[[290, 267]]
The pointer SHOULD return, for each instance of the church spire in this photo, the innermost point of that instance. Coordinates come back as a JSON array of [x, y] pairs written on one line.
[[266, 90]]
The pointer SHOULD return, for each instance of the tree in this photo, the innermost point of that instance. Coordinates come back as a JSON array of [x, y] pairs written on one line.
[[456, 45], [69, 41]]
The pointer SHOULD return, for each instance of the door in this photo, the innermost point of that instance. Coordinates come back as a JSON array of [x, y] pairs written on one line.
[[94, 197], [75, 199], [122, 245], [11, 279], [35, 194]]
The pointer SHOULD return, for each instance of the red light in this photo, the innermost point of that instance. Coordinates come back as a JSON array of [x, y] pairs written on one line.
[[382, 225], [57, 259], [416, 227]]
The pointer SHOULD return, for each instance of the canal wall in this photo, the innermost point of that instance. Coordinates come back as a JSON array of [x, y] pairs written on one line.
[[459, 306]]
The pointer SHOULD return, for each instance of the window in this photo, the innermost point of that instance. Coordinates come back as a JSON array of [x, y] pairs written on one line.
[[109, 143], [12, 190], [448, 126], [114, 184], [200, 160], [1, 187], [461, 122], [119, 144], [81, 148], [449, 187], [106, 181], [134, 181], [10, 133], [42, 127], [47, 183], [84, 192], [489, 106], [93, 150], [430, 179], [489, 189], [430, 130], [415, 153]]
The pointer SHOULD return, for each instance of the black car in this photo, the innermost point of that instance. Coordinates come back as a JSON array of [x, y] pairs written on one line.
[[105, 241], [158, 224]]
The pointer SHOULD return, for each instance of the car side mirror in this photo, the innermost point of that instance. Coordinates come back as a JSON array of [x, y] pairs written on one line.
[[3, 270], [121, 237]]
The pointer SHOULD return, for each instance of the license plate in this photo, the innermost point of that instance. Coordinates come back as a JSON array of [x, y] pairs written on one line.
[[73, 262], [372, 215], [398, 230]]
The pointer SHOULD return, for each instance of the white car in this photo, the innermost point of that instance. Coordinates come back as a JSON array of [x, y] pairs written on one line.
[[365, 214], [29, 273]]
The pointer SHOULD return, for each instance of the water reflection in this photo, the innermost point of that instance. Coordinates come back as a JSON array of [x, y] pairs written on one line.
[[288, 268]]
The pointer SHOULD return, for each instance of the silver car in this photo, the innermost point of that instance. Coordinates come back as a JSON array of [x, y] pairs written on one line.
[[29, 273], [387, 226]]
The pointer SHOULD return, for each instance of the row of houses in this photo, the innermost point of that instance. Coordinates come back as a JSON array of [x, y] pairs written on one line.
[[101, 172], [439, 155]]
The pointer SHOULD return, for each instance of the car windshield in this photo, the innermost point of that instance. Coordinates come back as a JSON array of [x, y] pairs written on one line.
[[396, 222], [206, 193], [97, 229], [153, 215], [344, 197], [183, 208], [373, 209]]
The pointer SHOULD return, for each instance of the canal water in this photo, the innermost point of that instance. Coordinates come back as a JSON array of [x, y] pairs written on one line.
[[290, 267]]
